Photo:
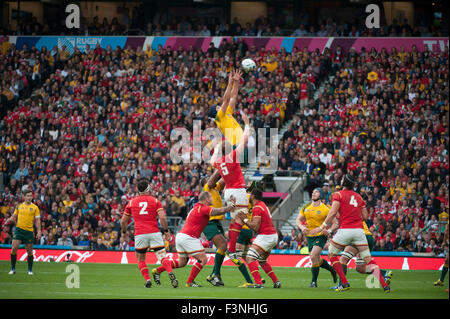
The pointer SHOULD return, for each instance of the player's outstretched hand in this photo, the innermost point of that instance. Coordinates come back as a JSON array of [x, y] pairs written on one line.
[[237, 75], [245, 118]]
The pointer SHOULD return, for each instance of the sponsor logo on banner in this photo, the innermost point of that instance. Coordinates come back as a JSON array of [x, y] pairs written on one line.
[[79, 42], [82, 256], [276, 260]]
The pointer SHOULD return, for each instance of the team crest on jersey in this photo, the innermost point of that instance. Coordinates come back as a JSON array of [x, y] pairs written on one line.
[[31, 209]]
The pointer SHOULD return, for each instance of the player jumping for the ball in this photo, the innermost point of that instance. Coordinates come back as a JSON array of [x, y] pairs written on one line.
[[231, 172]]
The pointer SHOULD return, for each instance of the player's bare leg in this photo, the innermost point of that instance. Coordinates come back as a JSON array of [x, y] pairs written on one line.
[[255, 254], [14, 247], [233, 234], [316, 263], [373, 266], [221, 247], [166, 265], [140, 255], [241, 252], [196, 268], [30, 257]]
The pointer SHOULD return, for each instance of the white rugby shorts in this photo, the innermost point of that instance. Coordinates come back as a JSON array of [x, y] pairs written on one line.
[[240, 195], [350, 236], [266, 242], [187, 245], [151, 240]]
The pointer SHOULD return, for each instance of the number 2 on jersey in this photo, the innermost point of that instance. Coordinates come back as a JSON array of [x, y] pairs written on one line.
[[353, 201], [143, 210]]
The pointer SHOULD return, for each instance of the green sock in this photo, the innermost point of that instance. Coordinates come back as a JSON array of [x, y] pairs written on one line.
[[13, 261], [315, 273], [383, 272], [444, 272], [30, 262], [218, 261], [326, 265], [245, 273]]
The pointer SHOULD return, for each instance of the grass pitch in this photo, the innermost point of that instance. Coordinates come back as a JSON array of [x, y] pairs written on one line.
[[114, 281]]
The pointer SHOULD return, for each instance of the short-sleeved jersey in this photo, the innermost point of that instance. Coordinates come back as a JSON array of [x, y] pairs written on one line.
[[216, 198], [230, 170], [196, 220], [366, 229], [260, 210], [249, 211], [228, 125], [26, 215], [315, 216], [350, 208], [144, 210]]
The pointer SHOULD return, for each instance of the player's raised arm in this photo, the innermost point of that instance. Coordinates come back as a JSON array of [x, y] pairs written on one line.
[[223, 210], [244, 140], [217, 145], [212, 180], [254, 223], [235, 90], [227, 95]]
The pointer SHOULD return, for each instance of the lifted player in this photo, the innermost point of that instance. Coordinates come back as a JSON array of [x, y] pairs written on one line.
[[352, 211], [264, 242], [145, 210], [313, 214], [215, 233], [231, 172], [187, 240]]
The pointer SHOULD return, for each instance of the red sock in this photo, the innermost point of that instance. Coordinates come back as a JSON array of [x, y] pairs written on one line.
[[376, 272], [233, 234], [338, 267], [194, 272], [269, 271], [166, 264], [253, 266], [144, 270]]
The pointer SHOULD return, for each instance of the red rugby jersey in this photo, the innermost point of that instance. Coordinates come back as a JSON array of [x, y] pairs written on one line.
[[350, 209], [144, 210], [196, 220]]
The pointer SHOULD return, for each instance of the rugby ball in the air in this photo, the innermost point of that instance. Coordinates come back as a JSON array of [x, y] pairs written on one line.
[[248, 65]]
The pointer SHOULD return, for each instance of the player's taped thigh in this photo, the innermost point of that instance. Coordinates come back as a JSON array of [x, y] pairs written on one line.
[[348, 254], [254, 254], [364, 253]]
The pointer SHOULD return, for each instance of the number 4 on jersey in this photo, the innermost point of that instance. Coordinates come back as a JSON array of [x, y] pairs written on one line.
[[353, 201]]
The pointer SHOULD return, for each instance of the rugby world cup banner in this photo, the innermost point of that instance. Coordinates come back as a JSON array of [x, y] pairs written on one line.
[[126, 257], [203, 43]]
